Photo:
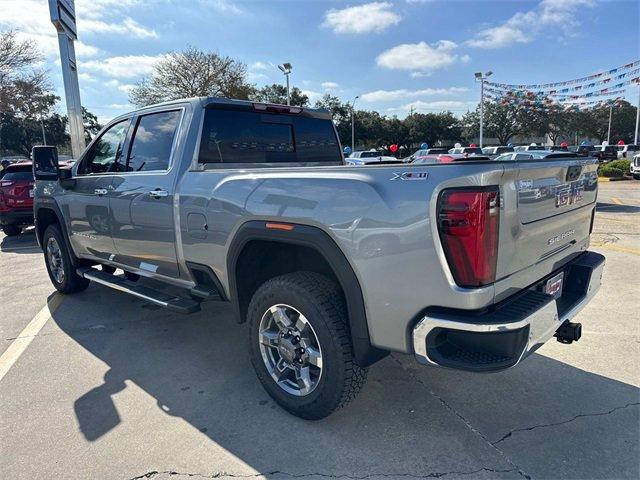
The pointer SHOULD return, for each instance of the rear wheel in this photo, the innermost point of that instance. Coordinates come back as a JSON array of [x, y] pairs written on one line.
[[11, 230], [57, 258], [300, 345]]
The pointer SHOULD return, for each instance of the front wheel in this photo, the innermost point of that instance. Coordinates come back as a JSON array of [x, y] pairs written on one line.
[[57, 258], [300, 345]]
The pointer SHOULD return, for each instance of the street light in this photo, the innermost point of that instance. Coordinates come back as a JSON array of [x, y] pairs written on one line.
[[482, 78], [286, 69], [353, 128]]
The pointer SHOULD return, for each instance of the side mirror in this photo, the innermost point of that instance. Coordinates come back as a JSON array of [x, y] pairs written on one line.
[[45, 162]]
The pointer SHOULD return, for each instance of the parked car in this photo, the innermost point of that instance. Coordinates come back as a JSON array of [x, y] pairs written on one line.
[[424, 151], [634, 168], [605, 153], [536, 155], [369, 156], [627, 151], [529, 148], [16, 198], [558, 148], [494, 151], [449, 157], [467, 150], [332, 265], [582, 150]]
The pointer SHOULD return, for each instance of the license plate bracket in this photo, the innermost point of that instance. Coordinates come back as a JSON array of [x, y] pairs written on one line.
[[553, 286]]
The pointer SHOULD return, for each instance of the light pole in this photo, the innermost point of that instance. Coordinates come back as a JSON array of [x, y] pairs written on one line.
[[609, 129], [286, 69], [635, 138], [480, 77], [353, 123]]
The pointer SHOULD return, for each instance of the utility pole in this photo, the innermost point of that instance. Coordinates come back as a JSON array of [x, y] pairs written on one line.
[[353, 123], [63, 17], [44, 136], [480, 77], [609, 130], [635, 138], [286, 69]]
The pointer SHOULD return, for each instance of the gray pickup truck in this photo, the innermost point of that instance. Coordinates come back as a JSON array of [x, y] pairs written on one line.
[[468, 265]]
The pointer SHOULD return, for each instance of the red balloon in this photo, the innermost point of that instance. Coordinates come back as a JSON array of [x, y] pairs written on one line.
[[393, 148], [564, 144], [473, 145], [621, 142]]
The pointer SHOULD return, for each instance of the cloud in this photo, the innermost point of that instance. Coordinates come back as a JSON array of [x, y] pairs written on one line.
[[128, 27], [131, 66], [525, 27], [393, 95], [224, 6], [329, 85], [419, 56], [438, 106], [313, 96], [370, 17], [260, 66]]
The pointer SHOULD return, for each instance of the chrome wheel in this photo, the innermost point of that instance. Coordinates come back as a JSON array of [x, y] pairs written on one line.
[[290, 350], [54, 259]]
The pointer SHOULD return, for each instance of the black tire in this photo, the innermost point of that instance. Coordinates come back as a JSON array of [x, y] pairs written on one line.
[[320, 301], [12, 230], [70, 281]]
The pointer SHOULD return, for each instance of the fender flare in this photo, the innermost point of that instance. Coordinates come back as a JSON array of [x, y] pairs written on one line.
[[53, 206], [317, 239]]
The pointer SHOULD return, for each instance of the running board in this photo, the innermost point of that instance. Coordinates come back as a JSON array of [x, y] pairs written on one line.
[[172, 302]]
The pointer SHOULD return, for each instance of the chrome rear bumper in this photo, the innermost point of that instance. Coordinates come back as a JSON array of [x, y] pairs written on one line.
[[503, 337]]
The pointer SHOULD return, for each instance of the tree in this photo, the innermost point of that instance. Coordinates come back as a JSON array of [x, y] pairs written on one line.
[[433, 128], [277, 93], [193, 73], [16, 61], [500, 121]]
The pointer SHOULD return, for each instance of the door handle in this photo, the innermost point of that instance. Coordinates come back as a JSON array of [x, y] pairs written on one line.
[[100, 191], [159, 193]]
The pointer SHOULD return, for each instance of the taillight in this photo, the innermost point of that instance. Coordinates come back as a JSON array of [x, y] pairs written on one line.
[[468, 222]]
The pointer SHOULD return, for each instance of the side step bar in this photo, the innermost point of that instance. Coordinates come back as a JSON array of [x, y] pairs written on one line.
[[172, 302]]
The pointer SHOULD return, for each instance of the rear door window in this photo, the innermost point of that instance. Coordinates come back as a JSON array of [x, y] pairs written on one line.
[[246, 136], [153, 141]]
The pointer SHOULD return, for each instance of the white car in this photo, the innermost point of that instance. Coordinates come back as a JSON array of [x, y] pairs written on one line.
[[635, 166], [369, 156], [628, 151]]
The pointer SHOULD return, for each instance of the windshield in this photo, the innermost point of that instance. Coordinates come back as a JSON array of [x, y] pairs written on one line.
[[369, 155]]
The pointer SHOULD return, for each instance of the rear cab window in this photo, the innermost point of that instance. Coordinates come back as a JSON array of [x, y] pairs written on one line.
[[247, 136]]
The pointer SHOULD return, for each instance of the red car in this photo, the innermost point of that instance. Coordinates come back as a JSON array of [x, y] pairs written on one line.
[[16, 198]]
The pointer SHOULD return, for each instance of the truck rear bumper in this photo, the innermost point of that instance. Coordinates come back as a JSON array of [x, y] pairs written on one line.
[[503, 336]]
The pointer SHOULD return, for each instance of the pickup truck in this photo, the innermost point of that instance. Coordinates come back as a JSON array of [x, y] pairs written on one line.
[[467, 265]]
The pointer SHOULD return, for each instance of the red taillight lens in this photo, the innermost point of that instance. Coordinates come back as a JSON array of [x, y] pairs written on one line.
[[468, 222]]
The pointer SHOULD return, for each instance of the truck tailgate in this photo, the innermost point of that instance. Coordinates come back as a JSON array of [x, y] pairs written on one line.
[[547, 208]]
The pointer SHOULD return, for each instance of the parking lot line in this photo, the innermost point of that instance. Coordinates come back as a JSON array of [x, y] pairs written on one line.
[[22, 341]]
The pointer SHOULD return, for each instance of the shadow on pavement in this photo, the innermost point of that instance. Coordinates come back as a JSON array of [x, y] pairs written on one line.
[[615, 208], [196, 367], [23, 243]]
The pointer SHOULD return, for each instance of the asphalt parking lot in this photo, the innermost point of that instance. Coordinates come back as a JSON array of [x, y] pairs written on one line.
[[111, 387]]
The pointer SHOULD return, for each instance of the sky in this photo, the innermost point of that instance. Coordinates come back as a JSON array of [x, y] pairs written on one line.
[[395, 55]]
